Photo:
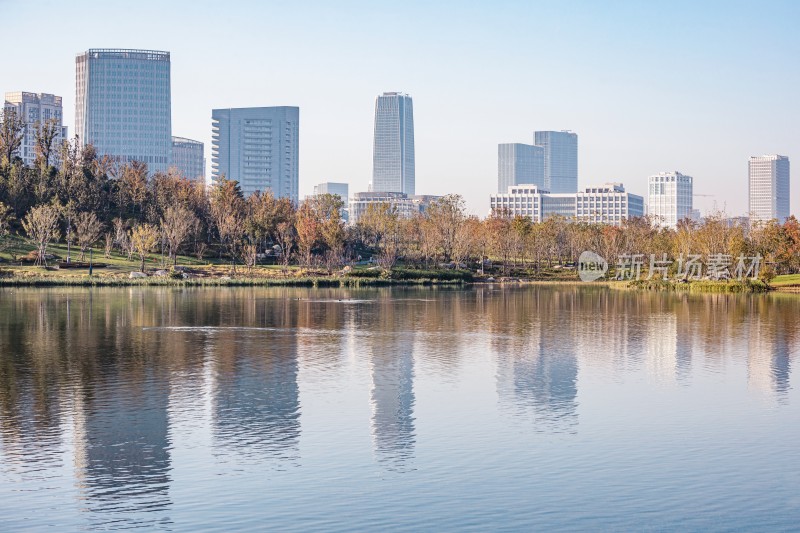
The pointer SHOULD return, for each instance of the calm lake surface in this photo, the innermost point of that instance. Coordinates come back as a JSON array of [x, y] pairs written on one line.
[[558, 408]]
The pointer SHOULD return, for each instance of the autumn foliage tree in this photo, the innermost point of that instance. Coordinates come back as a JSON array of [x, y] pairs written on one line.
[[12, 129], [88, 230], [41, 227], [227, 211], [307, 226], [176, 226], [143, 239], [6, 218]]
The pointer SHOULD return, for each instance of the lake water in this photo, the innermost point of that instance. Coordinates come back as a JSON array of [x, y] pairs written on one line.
[[533, 408]]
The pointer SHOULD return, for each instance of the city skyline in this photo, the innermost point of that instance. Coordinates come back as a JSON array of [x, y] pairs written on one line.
[[602, 68]]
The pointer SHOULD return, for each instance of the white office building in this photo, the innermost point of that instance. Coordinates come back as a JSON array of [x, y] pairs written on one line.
[[35, 109], [188, 158], [259, 148], [123, 105], [560, 160], [530, 200], [769, 188], [519, 163], [670, 198], [393, 167], [609, 204]]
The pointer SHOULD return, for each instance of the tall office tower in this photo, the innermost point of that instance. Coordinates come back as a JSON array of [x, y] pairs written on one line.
[[519, 163], [560, 160], [34, 109], [123, 105], [258, 147], [188, 157], [769, 188], [393, 148], [670, 198]]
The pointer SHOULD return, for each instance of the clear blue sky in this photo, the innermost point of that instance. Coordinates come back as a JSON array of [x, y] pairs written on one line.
[[648, 86]]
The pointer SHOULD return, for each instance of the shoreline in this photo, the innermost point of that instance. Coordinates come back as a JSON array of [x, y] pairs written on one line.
[[697, 287]]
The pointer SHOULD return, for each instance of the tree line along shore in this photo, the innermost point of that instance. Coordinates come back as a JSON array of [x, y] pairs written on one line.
[[55, 220]]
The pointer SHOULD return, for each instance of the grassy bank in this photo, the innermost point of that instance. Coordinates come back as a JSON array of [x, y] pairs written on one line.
[[46, 280], [212, 272], [786, 282], [222, 276], [702, 286]]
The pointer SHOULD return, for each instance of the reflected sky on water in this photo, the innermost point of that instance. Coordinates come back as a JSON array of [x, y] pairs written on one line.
[[569, 407]]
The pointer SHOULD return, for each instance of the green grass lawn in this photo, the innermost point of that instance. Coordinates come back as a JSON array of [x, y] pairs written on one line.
[[118, 264], [786, 280], [116, 260]]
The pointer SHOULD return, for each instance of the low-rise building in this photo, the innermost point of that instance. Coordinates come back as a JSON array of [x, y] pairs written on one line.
[[609, 204], [405, 205]]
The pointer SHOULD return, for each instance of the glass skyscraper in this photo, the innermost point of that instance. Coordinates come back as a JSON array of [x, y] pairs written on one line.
[[393, 148], [188, 157], [560, 160], [769, 188], [519, 163], [123, 105], [259, 148]]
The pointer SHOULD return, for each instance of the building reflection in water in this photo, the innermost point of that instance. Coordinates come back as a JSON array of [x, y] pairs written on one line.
[[112, 384], [122, 447], [100, 373], [390, 346], [255, 392], [256, 396], [771, 338], [534, 339]]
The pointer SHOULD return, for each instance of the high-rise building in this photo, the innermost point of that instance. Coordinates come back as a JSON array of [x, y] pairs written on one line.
[[609, 204], [769, 188], [519, 163], [560, 160], [123, 105], [393, 148], [188, 157], [259, 148], [35, 109], [670, 198]]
